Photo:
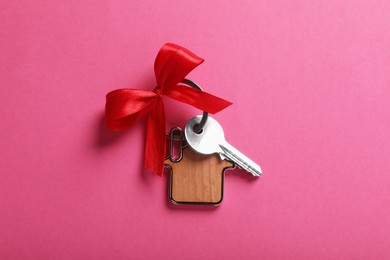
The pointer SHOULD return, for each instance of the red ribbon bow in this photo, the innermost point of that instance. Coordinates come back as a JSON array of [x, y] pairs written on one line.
[[125, 106]]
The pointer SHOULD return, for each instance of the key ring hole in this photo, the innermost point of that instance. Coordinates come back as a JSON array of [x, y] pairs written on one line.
[[198, 128]]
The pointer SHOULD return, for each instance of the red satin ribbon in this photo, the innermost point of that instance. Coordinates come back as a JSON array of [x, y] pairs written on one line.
[[125, 106]]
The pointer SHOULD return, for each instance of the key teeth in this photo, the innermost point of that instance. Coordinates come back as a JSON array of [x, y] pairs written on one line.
[[255, 173], [239, 163]]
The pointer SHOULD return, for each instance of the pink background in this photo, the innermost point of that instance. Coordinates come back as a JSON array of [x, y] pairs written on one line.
[[310, 85]]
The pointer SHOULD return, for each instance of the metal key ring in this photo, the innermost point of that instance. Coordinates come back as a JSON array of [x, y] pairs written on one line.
[[199, 127]]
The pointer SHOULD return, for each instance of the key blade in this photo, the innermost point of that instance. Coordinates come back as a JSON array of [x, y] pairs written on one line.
[[241, 160]]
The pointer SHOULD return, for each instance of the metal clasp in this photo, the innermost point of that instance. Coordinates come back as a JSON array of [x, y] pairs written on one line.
[[177, 143]]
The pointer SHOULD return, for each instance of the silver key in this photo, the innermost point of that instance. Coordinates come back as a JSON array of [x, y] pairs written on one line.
[[212, 140]]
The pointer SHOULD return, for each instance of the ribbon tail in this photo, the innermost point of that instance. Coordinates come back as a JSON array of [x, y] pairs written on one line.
[[155, 140], [199, 99]]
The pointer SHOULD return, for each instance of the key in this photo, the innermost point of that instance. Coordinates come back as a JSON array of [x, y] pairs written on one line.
[[211, 140]]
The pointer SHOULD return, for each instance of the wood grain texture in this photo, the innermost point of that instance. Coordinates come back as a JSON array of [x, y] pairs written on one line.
[[197, 178]]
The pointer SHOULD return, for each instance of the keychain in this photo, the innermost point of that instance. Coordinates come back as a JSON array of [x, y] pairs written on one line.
[[195, 178], [197, 173]]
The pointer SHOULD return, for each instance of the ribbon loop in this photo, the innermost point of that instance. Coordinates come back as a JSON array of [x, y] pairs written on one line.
[[173, 63], [124, 107]]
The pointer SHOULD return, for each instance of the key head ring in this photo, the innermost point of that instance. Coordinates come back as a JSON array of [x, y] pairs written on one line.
[[199, 127]]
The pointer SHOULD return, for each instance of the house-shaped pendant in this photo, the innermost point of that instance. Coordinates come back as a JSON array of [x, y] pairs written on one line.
[[196, 178]]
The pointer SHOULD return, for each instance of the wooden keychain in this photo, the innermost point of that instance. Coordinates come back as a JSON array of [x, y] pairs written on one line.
[[195, 178]]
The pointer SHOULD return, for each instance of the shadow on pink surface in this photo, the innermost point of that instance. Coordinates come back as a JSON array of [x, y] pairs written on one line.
[[238, 173], [105, 136]]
